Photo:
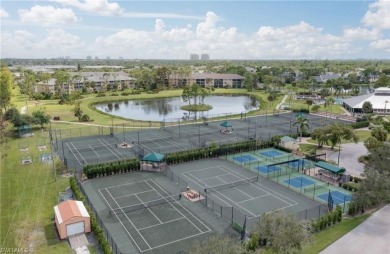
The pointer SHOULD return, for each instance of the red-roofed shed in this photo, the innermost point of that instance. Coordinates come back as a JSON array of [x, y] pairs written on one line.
[[71, 218]]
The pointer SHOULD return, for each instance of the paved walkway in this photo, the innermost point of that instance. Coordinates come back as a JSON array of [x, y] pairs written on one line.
[[281, 103], [349, 157], [372, 236], [23, 110]]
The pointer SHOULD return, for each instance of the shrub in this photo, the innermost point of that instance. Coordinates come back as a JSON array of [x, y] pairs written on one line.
[[125, 93], [359, 125], [101, 94], [253, 242], [301, 110], [85, 118], [111, 168], [38, 96], [114, 94], [136, 92], [315, 108]]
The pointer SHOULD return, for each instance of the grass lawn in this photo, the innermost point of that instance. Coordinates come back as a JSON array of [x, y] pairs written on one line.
[[28, 194], [306, 147], [337, 109], [325, 238], [362, 134]]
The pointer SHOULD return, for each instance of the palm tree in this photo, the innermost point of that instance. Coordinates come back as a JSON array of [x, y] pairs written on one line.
[[302, 123], [384, 112]]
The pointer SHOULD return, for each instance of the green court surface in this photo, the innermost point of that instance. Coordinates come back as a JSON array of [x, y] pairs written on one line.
[[144, 213], [234, 192]]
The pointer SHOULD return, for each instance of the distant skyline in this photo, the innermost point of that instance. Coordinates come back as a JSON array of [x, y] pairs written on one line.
[[287, 29]]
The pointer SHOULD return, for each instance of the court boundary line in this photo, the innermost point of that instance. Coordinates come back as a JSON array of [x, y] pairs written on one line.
[[214, 193], [74, 155], [130, 221], [113, 152], [120, 221], [113, 186], [142, 202], [133, 194], [161, 223], [235, 187], [182, 207], [155, 225], [174, 206], [272, 192]]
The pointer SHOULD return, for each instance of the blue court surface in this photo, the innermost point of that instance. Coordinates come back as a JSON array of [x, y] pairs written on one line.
[[271, 153], [338, 197], [244, 158], [299, 181], [266, 169], [296, 164]]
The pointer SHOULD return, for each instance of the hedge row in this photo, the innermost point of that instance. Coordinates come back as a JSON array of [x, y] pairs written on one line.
[[111, 168], [94, 224], [210, 152], [301, 110], [360, 125], [327, 220], [349, 186]]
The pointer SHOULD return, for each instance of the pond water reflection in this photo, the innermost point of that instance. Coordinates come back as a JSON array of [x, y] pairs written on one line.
[[168, 109]]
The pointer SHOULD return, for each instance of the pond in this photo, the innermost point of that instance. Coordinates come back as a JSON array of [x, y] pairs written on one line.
[[168, 109]]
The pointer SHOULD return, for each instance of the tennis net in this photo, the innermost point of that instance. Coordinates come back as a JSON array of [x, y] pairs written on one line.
[[91, 148], [315, 187], [232, 184], [283, 158], [169, 130], [193, 141], [143, 205], [156, 139]]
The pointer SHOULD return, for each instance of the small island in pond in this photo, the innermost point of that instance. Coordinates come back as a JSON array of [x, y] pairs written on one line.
[[195, 96]]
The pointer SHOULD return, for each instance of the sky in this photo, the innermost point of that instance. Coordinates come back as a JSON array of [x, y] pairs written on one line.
[[256, 29]]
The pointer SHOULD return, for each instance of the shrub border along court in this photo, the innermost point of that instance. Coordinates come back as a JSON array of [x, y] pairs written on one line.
[[117, 167], [94, 224], [111, 168], [326, 221], [359, 125]]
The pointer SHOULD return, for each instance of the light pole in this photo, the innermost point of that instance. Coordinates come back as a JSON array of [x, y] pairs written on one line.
[[338, 157]]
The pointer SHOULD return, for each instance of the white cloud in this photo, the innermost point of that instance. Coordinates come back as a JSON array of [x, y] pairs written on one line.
[[296, 41], [381, 44], [301, 40], [23, 44], [359, 33], [378, 15], [47, 15], [101, 7], [3, 13], [58, 39]]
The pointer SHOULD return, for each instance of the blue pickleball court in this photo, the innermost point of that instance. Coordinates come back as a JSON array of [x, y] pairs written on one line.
[[244, 158], [266, 169], [271, 153], [299, 181], [337, 196]]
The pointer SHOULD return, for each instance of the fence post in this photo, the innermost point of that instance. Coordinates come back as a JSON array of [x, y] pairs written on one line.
[[232, 216]]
